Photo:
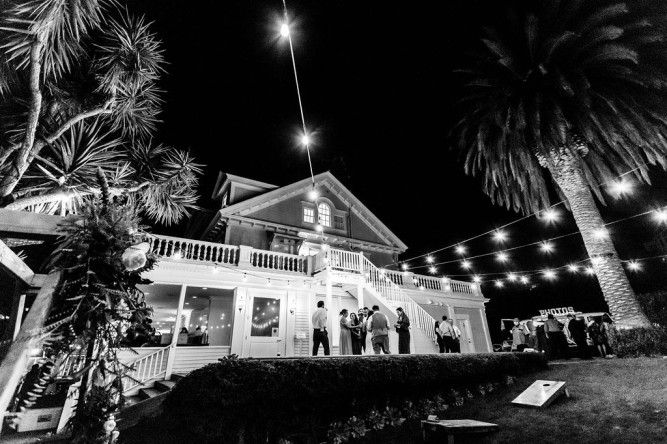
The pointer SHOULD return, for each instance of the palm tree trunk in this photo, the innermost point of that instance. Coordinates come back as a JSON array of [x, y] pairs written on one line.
[[569, 175]]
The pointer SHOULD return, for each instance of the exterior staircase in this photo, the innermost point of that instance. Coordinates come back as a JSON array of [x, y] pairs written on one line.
[[382, 291], [145, 403]]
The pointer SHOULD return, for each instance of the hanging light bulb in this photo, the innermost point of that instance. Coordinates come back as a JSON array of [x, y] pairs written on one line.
[[524, 280], [284, 30], [502, 256], [660, 215], [550, 215], [600, 233], [305, 140], [429, 259], [466, 264], [404, 267], [573, 268], [511, 277], [590, 271], [460, 249], [549, 274], [312, 194], [477, 279], [499, 284], [546, 247], [500, 236], [634, 266], [432, 270]]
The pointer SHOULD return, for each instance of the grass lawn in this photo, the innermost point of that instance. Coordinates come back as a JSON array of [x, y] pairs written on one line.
[[611, 401]]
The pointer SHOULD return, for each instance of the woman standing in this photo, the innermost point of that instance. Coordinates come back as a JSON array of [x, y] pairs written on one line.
[[345, 347], [441, 342], [403, 330], [355, 327], [369, 346]]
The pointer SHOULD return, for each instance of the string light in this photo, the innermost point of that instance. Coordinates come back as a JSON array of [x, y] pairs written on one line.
[[621, 187], [477, 279], [589, 270], [634, 266], [600, 233], [404, 267], [429, 259], [661, 216], [550, 215], [502, 257], [312, 194], [511, 277], [546, 247], [500, 236], [460, 249], [524, 280], [573, 268], [499, 284], [466, 264], [433, 270], [550, 274], [284, 30]]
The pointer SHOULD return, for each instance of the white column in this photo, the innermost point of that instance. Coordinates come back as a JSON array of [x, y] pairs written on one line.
[[238, 332], [290, 330], [485, 326], [174, 337]]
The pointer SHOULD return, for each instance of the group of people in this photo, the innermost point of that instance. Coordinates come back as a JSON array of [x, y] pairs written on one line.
[[360, 333], [551, 337], [448, 336]]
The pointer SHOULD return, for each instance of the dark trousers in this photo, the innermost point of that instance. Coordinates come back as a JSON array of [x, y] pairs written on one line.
[[363, 340], [449, 344], [457, 345], [582, 346], [441, 344], [320, 337], [558, 347]]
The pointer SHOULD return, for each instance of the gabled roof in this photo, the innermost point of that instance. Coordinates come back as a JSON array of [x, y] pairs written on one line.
[[225, 179], [324, 179]]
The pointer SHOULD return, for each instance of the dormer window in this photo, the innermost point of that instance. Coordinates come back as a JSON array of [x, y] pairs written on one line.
[[309, 215], [324, 214]]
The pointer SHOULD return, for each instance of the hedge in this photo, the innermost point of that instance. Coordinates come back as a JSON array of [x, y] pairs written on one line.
[[252, 400]]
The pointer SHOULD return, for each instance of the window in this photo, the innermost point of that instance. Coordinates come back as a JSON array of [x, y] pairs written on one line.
[[339, 223], [309, 215], [324, 215]]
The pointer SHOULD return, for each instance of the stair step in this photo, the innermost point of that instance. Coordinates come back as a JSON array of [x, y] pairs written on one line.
[[177, 377], [146, 393], [132, 400], [164, 386]]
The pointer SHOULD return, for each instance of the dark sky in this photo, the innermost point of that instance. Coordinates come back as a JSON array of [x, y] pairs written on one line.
[[377, 87]]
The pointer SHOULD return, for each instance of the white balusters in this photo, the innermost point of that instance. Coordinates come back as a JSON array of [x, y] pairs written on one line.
[[146, 368]]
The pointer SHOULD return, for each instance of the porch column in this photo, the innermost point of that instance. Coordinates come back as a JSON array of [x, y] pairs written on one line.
[[360, 295], [362, 281], [174, 337], [238, 326], [329, 304], [485, 326]]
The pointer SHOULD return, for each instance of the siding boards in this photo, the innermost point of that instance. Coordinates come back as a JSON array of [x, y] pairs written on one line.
[[477, 327], [191, 358]]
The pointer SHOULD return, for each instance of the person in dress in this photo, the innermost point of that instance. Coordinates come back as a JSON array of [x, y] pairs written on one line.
[[369, 335], [345, 334], [403, 329], [355, 331], [438, 336]]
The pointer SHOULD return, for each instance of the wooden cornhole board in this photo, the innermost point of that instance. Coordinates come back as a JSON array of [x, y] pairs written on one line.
[[541, 393], [452, 427]]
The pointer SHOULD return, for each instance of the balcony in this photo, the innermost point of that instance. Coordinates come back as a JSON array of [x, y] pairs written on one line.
[[249, 258]]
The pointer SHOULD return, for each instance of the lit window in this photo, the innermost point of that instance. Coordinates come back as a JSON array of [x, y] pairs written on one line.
[[324, 214], [309, 215]]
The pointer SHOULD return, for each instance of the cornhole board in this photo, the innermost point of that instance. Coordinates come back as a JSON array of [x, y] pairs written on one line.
[[541, 393], [452, 427]]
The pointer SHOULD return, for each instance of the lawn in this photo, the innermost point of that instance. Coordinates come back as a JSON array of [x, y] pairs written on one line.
[[611, 401]]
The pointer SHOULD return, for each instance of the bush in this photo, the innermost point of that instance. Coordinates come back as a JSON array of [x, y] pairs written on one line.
[[655, 306], [636, 342], [253, 400]]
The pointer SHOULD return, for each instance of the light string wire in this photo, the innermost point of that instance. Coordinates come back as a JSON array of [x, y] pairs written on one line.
[[494, 230], [298, 93], [416, 267]]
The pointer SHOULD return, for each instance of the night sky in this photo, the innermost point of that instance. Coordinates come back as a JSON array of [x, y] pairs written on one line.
[[377, 87]]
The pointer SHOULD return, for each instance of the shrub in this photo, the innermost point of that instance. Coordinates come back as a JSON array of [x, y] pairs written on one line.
[[635, 342], [654, 305], [298, 399]]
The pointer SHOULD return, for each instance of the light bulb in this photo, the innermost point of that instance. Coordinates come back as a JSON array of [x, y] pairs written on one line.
[[460, 249], [499, 284], [573, 268], [499, 236], [312, 194], [305, 140], [284, 30], [502, 257]]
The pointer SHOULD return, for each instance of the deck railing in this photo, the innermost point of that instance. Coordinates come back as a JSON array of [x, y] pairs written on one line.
[[177, 248], [146, 368]]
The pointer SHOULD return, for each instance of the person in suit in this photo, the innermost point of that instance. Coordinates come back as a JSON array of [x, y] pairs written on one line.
[[363, 332], [403, 329], [577, 329], [379, 326], [447, 333]]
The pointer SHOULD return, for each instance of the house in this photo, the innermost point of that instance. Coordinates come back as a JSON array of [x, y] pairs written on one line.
[[247, 277]]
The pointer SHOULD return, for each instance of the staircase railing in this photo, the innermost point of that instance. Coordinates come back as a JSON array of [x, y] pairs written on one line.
[[391, 292], [146, 368]]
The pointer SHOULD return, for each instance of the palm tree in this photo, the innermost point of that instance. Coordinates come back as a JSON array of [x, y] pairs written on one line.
[[574, 88], [78, 89]]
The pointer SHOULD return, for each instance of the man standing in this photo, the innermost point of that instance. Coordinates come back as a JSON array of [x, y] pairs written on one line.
[[447, 333], [320, 329], [577, 329], [558, 347], [363, 317], [379, 331], [457, 337], [403, 330]]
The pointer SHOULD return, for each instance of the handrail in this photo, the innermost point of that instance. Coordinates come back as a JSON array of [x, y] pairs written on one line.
[[146, 368], [177, 248], [388, 290]]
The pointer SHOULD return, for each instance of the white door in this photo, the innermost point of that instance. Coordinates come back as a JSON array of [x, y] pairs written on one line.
[[467, 345], [265, 326]]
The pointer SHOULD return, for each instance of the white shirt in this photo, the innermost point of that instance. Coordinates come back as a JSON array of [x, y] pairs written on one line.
[[456, 331], [446, 329], [320, 319]]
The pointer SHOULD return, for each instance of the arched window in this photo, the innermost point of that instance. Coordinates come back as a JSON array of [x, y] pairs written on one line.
[[324, 214]]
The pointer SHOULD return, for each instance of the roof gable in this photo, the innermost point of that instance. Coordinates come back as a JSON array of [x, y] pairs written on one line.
[[299, 190]]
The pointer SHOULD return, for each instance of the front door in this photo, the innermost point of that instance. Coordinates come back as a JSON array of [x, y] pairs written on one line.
[[265, 328], [467, 345]]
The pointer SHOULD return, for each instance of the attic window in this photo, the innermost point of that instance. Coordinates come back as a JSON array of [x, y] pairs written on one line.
[[339, 223], [309, 215], [324, 215]]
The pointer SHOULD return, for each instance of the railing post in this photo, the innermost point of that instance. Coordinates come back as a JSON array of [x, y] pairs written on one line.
[[245, 254], [174, 336]]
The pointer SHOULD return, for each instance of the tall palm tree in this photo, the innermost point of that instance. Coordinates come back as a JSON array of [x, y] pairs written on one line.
[[575, 89], [72, 71]]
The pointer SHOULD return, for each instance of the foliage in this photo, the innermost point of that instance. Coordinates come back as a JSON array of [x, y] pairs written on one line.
[[552, 76], [296, 398], [636, 342], [96, 301], [654, 305], [80, 92]]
